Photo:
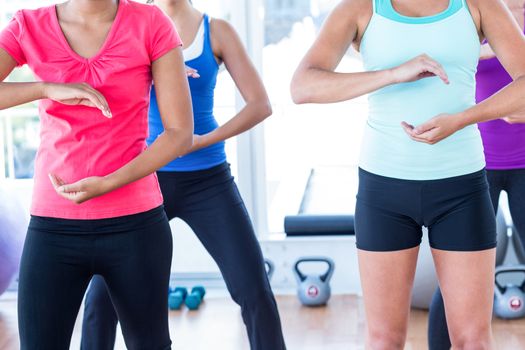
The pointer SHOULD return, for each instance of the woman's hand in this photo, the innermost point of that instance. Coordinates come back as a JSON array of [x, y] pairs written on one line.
[[77, 94], [192, 72], [199, 142], [83, 190], [434, 130], [423, 66]]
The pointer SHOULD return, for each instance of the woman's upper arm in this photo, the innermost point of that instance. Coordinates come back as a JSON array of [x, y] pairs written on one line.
[[231, 51], [339, 31], [7, 64], [504, 35], [11, 51], [172, 90]]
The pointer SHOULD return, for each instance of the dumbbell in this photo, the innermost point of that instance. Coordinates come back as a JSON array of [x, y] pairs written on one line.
[[314, 290], [194, 299], [176, 297], [509, 300]]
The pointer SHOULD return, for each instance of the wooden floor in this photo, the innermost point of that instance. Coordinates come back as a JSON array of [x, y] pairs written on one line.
[[217, 325]]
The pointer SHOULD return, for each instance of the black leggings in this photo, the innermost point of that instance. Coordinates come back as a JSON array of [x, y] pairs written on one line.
[[60, 257], [512, 182], [209, 202]]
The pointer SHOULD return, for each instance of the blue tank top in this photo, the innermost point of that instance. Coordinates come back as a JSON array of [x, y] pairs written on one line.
[[391, 39], [202, 93]]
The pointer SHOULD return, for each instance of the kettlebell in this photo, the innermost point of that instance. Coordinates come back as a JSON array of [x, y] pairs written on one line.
[[314, 290], [509, 300], [270, 268]]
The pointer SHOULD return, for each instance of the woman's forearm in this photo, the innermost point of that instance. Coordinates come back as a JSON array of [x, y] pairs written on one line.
[[507, 102], [321, 86], [171, 144], [15, 94], [251, 115]]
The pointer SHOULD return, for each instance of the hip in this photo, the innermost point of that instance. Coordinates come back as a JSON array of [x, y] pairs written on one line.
[[114, 225], [391, 153], [134, 198]]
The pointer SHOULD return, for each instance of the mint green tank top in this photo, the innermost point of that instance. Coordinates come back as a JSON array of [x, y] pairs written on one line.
[[391, 39]]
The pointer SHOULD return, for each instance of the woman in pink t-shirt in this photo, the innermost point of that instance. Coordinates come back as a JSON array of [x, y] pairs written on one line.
[[97, 207]]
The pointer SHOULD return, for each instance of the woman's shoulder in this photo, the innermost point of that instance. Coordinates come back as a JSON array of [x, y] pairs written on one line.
[[145, 17], [148, 11], [138, 6], [222, 34], [38, 14], [221, 26]]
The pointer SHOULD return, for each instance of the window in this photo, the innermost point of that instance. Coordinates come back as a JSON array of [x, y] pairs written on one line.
[[299, 139], [19, 137]]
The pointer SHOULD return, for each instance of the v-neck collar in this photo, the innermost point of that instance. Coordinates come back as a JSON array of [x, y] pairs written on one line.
[[104, 46]]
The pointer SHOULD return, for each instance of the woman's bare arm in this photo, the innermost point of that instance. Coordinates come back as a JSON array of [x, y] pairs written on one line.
[[508, 42], [315, 80], [173, 97], [15, 94], [229, 48], [517, 8]]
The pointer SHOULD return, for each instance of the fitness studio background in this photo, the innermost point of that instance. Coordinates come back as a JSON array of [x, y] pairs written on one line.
[[306, 153], [272, 163]]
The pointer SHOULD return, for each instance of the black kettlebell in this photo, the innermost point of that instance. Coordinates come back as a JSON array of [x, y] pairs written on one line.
[[270, 268], [314, 290]]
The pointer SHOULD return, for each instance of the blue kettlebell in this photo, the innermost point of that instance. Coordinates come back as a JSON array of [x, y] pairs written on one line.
[[314, 290]]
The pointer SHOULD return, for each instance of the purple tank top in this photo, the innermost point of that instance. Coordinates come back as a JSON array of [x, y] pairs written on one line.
[[504, 143]]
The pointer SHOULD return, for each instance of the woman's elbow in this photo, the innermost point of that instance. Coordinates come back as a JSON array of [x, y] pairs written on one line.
[[298, 97], [260, 109], [181, 139], [265, 110], [186, 141], [298, 90]]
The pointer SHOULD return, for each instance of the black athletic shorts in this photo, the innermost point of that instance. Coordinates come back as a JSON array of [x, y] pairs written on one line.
[[458, 212]]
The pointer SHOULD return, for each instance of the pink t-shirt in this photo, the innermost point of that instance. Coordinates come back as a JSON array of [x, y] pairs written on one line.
[[78, 141]]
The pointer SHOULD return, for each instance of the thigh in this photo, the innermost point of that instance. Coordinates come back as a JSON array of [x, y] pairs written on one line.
[[516, 192], [99, 325], [387, 279], [98, 301], [221, 222], [136, 267], [382, 230], [98, 305], [467, 285], [54, 275], [168, 187], [462, 216], [438, 338], [386, 213], [496, 180]]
